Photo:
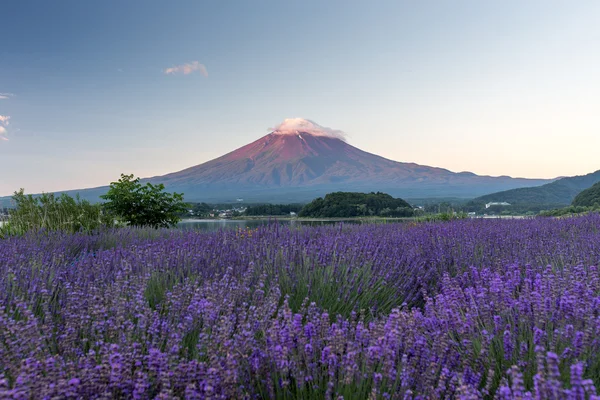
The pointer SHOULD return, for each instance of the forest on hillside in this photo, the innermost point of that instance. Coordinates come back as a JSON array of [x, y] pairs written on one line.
[[589, 197]]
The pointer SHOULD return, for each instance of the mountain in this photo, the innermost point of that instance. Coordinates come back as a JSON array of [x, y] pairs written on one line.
[[558, 193], [589, 197], [301, 165], [301, 160]]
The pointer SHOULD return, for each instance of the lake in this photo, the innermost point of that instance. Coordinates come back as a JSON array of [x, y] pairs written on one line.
[[217, 224]]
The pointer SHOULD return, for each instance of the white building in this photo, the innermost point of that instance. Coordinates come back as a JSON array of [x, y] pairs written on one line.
[[493, 203]]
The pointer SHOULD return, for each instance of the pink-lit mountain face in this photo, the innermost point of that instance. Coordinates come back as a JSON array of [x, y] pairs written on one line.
[[301, 159], [291, 165], [285, 164]]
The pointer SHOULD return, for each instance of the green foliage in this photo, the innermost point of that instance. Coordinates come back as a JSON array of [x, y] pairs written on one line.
[[350, 204], [272, 209], [589, 197], [62, 213], [143, 205]]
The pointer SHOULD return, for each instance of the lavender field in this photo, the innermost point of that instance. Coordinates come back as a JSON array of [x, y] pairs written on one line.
[[463, 309]]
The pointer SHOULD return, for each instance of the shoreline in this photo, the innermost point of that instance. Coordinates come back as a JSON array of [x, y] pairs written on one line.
[[304, 219], [338, 219]]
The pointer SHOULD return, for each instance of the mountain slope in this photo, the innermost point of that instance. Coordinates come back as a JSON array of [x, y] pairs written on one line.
[[300, 160], [292, 160], [559, 192], [589, 197], [301, 166]]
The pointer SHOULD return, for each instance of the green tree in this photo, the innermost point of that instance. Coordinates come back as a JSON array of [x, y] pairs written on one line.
[[143, 205]]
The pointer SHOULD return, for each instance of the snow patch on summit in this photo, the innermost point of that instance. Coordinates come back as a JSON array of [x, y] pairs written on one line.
[[295, 126]]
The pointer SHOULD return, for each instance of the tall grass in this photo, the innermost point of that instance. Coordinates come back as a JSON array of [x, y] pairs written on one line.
[[52, 213]]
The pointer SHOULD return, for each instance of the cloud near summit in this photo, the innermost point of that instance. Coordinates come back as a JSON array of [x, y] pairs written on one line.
[[292, 126], [187, 69]]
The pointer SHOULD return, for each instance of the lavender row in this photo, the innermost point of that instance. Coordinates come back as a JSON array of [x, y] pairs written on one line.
[[467, 309]]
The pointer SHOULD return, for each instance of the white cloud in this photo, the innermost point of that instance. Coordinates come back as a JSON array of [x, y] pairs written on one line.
[[5, 95], [187, 69], [4, 121], [294, 126]]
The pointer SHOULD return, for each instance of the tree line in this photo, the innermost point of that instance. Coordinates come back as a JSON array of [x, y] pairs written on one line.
[[272, 209]]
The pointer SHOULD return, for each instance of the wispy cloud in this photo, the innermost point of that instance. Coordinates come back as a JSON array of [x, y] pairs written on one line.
[[5, 95], [4, 121], [187, 69]]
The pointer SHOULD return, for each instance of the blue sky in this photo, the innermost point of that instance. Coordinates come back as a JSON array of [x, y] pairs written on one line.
[[498, 88]]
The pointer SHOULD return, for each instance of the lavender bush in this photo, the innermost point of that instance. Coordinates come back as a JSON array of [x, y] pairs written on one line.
[[463, 309]]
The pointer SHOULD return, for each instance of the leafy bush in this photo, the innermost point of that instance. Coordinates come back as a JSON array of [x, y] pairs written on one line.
[[49, 212], [143, 205]]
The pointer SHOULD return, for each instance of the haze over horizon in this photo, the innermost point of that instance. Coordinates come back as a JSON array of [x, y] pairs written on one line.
[[92, 89]]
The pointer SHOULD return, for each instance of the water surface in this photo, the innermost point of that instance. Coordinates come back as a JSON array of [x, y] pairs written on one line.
[[218, 224]]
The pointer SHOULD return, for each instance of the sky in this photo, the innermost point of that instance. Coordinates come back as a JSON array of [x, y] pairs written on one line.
[[92, 89]]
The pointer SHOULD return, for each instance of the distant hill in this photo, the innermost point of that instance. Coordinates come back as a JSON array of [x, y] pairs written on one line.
[[558, 193], [589, 197], [349, 204]]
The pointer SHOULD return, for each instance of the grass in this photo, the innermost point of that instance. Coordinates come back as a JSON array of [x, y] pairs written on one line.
[[340, 290], [159, 284], [51, 213]]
